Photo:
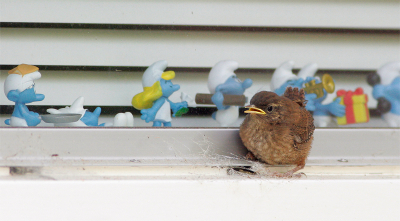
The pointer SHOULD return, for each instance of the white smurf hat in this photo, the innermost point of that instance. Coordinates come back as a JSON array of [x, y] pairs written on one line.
[[21, 77], [282, 74], [153, 73], [308, 70], [220, 73], [388, 72]]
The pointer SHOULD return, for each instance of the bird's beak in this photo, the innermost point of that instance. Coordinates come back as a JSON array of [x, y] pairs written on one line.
[[254, 110]]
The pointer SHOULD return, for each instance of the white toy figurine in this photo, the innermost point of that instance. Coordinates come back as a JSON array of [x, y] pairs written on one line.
[[154, 103], [222, 80], [386, 89], [19, 87], [90, 118], [284, 77]]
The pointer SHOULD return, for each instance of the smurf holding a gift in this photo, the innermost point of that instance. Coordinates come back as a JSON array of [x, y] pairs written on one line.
[[153, 101], [386, 89], [19, 87]]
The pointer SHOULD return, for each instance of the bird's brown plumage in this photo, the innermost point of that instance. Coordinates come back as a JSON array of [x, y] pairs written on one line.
[[283, 135]]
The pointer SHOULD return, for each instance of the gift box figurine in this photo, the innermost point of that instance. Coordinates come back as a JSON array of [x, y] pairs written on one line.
[[356, 106]]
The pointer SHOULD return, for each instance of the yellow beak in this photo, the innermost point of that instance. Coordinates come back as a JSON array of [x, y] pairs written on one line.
[[254, 110]]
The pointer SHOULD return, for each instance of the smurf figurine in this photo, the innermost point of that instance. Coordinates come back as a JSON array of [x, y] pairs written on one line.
[[153, 101], [222, 80], [284, 77], [90, 119], [386, 89], [19, 87]]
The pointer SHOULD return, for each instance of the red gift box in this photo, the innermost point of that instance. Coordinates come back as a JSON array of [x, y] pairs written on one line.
[[356, 106]]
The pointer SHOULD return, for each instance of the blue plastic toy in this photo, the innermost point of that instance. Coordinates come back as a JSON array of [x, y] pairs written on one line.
[[87, 118], [153, 101], [386, 89], [284, 77], [333, 108], [19, 87], [91, 119], [222, 80]]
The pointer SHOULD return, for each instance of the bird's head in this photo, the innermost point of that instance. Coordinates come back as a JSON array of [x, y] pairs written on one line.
[[270, 107]]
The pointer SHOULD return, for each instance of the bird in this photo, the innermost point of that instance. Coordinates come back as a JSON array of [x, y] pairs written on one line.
[[278, 130]]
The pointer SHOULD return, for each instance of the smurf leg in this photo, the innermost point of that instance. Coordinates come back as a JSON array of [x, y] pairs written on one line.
[[323, 121], [123, 120], [156, 123], [17, 122], [160, 123], [392, 119], [167, 124]]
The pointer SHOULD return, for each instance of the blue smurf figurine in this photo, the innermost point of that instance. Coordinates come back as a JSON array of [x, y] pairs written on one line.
[[19, 87], [87, 118], [222, 80], [90, 119], [153, 101], [284, 77], [386, 89]]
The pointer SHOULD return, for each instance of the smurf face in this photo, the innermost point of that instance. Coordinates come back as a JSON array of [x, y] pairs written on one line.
[[234, 86], [298, 83], [390, 92], [168, 88]]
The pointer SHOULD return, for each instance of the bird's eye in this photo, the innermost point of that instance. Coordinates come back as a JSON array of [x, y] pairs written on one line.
[[270, 108]]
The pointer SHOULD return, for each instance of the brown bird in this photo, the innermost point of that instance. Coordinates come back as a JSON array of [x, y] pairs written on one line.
[[278, 130]]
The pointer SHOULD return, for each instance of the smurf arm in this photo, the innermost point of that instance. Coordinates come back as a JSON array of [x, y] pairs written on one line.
[[177, 106], [333, 108], [150, 114], [31, 118], [218, 97], [310, 102], [218, 100]]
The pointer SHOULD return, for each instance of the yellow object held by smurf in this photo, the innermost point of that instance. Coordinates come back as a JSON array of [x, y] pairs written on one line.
[[356, 106]]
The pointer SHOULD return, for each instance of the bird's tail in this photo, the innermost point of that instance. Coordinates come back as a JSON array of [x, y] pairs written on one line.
[[296, 95]]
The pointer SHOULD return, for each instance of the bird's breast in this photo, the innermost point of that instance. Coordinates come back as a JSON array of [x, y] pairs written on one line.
[[269, 143]]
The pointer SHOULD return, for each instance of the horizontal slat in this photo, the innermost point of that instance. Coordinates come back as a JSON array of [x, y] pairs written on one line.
[[377, 14], [103, 88], [137, 147], [196, 48], [188, 171], [196, 28], [181, 146], [203, 120]]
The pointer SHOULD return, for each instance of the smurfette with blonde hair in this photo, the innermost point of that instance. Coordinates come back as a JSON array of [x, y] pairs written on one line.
[[153, 101]]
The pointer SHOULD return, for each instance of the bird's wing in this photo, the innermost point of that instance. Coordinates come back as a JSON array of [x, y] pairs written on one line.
[[296, 95], [304, 129]]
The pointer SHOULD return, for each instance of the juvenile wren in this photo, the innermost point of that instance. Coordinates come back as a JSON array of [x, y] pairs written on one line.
[[278, 130]]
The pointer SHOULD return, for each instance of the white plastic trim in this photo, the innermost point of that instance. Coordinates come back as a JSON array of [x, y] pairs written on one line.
[[377, 14], [92, 47]]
